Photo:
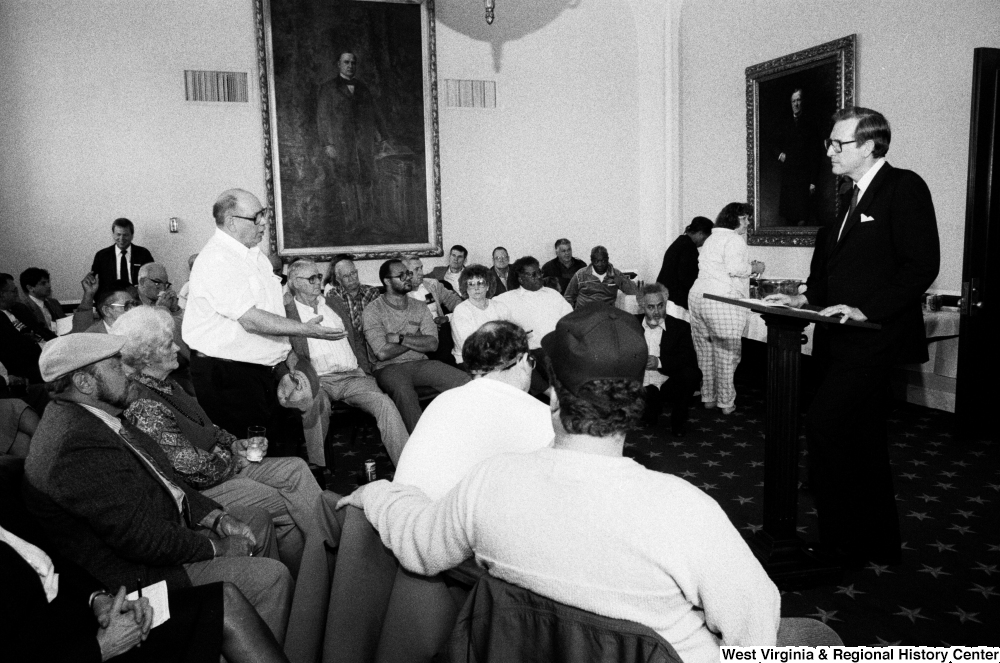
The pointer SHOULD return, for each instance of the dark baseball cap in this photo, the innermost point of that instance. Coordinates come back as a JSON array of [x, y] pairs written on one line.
[[596, 341]]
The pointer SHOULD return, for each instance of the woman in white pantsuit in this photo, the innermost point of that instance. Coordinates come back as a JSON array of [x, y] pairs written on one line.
[[724, 269]]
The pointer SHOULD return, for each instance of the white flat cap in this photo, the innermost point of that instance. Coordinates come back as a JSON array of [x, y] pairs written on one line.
[[61, 356]]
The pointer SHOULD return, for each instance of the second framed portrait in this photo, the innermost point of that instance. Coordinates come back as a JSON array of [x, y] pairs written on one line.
[[790, 104]]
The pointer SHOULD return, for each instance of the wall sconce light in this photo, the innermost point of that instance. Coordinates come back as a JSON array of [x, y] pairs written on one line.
[[489, 11], [173, 224]]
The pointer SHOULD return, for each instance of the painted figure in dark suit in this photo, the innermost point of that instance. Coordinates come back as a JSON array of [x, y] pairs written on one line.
[[351, 131], [873, 264], [800, 154], [108, 261]]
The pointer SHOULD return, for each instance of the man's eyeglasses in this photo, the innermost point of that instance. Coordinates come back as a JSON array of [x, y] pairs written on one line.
[[402, 276], [260, 217], [128, 306], [837, 145], [161, 284], [314, 279], [512, 362]]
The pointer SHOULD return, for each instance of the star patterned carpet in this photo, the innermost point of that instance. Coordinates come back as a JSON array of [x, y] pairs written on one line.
[[946, 591]]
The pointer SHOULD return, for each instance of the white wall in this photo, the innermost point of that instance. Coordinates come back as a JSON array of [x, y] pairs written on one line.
[[93, 126], [914, 65]]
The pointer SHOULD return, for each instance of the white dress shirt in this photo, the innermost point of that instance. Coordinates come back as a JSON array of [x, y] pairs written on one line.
[[653, 337], [128, 261], [328, 357], [862, 185], [227, 280]]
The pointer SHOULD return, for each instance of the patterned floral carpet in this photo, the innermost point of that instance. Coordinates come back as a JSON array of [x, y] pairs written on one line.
[[946, 591]]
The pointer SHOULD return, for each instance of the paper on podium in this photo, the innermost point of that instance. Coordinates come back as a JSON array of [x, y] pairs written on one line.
[[761, 302], [157, 595]]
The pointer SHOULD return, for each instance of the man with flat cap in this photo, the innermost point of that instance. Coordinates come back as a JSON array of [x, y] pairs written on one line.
[[108, 499], [581, 524]]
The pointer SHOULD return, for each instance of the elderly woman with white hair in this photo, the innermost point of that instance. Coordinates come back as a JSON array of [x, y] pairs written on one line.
[[215, 462]]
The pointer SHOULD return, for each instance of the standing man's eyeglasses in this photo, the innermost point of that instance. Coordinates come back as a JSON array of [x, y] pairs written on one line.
[[260, 217], [837, 145]]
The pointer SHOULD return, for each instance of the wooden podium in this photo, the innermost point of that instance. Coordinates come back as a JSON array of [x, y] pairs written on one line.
[[777, 545]]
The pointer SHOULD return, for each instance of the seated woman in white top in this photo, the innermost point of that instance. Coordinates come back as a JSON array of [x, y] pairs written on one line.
[[478, 309], [724, 269]]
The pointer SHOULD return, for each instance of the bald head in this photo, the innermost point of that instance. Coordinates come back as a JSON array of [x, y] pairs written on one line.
[[239, 214]]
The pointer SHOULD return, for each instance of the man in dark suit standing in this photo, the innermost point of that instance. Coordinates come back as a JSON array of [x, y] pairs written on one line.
[[122, 260], [873, 264]]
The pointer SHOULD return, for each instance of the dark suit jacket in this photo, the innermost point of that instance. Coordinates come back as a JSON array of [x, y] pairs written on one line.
[[498, 286], [679, 270], [18, 351], [106, 264], [37, 317], [881, 266], [677, 353], [103, 508]]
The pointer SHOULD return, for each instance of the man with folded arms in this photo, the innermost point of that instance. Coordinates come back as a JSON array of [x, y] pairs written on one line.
[[400, 333], [108, 499], [583, 525]]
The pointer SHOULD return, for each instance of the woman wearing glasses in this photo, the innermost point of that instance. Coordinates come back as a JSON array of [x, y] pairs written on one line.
[[478, 309], [724, 269]]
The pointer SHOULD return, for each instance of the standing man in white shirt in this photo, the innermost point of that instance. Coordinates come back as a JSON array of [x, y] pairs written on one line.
[[342, 368], [122, 260], [235, 323]]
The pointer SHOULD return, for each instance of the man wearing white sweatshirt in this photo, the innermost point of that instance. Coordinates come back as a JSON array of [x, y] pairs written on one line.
[[583, 525]]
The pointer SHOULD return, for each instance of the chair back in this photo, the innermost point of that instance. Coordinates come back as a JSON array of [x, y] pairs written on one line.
[[503, 622]]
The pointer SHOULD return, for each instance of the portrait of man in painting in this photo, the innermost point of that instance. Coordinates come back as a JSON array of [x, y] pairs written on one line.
[[351, 125], [796, 186]]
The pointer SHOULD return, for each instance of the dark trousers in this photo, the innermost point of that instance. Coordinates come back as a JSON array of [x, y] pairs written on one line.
[[679, 390], [236, 395], [849, 468]]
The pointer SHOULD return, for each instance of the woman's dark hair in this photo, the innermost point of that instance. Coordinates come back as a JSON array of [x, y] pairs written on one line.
[[471, 272], [730, 215], [602, 408], [493, 345], [700, 224]]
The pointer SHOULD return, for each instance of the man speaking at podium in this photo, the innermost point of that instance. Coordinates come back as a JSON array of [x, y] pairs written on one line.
[[873, 264]]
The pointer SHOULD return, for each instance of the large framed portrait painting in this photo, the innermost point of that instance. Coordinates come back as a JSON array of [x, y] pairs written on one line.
[[790, 103], [349, 111]]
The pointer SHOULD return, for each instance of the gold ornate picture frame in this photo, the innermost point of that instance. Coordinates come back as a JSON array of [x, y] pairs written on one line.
[[790, 102], [351, 153]]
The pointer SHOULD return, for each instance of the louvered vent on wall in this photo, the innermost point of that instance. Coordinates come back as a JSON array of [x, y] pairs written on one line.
[[470, 94], [215, 85]]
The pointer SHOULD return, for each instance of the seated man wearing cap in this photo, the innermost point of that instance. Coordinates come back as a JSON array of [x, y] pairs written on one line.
[[583, 525], [107, 498]]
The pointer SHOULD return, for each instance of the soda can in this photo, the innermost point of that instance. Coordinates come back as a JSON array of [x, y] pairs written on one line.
[[370, 470]]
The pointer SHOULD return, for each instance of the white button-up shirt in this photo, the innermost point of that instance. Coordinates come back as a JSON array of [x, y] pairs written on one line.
[[228, 280], [328, 357], [653, 337]]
